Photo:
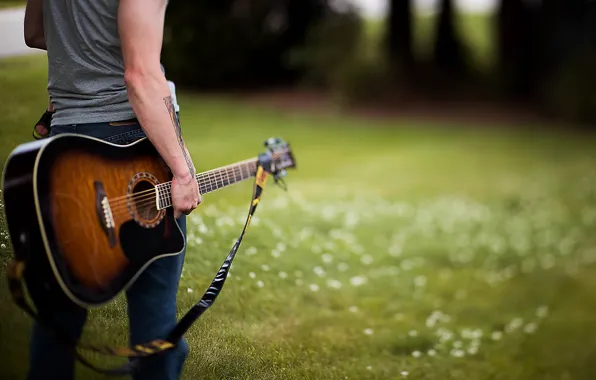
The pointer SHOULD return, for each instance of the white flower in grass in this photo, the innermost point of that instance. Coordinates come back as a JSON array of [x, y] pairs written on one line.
[[281, 246], [327, 258], [275, 253], [319, 271], [330, 245], [334, 284], [413, 333], [514, 325], [265, 267], [283, 274], [351, 219], [314, 287], [369, 367], [406, 265], [260, 284], [353, 309], [358, 280], [395, 250], [458, 353], [416, 354], [366, 259], [431, 352], [252, 275], [473, 350], [305, 234], [299, 282], [420, 281], [530, 328], [368, 331], [203, 229], [189, 290], [496, 335], [251, 251], [404, 373], [444, 334], [542, 311], [342, 267], [357, 249]]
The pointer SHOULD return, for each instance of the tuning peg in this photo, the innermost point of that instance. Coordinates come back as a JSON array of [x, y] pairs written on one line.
[[269, 142]]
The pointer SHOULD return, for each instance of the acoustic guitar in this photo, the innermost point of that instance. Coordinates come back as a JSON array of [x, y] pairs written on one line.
[[89, 216]]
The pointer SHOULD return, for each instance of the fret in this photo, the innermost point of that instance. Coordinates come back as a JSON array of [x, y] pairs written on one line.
[[236, 173], [225, 178], [245, 171], [228, 176], [217, 179]]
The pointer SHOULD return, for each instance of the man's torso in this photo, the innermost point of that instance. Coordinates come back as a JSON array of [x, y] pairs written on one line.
[[85, 64]]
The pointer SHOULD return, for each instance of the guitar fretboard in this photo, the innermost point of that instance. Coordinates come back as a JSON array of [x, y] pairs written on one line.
[[211, 180]]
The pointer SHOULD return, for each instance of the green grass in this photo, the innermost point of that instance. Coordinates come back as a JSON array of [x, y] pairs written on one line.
[[442, 251], [6, 4]]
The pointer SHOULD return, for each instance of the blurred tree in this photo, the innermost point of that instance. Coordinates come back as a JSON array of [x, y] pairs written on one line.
[[449, 53], [236, 43], [568, 58], [398, 35], [518, 48]]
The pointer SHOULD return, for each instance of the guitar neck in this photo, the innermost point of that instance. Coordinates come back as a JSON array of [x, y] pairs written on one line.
[[211, 180]]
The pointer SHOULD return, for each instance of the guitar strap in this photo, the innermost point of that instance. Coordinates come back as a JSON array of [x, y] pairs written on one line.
[[138, 354]]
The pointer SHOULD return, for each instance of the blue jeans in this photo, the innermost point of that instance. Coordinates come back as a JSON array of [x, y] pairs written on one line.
[[151, 298]]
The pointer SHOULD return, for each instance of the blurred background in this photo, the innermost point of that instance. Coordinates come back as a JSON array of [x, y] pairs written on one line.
[[440, 222]]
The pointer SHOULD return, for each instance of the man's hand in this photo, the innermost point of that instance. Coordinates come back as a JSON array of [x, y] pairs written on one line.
[[185, 195], [42, 128]]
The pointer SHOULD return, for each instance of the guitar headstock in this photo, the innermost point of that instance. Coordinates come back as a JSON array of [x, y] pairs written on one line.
[[280, 157]]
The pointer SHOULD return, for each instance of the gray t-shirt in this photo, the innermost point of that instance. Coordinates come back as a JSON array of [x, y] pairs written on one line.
[[86, 68]]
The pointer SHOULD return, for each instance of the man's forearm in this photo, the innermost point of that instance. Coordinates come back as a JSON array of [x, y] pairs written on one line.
[[150, 98]]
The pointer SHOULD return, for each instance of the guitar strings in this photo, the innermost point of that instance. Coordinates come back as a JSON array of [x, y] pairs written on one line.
[[162, 186], [215, 175], [209, 175], [150, 195], [150, 198], [140, 206]]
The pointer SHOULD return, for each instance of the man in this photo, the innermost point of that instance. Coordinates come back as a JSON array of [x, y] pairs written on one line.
[[105, 80]]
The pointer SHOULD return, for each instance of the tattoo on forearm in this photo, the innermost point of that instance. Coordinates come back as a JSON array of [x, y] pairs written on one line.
[[172, 112]]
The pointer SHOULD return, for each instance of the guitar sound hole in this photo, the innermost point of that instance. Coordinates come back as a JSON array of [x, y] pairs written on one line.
[[144, 201]]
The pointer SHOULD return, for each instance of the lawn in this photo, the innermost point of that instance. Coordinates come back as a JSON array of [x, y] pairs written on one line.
[[7, 4], [402, 249]]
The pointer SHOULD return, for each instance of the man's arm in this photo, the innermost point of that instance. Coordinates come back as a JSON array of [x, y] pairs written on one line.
[[33, 25], [140, 24]]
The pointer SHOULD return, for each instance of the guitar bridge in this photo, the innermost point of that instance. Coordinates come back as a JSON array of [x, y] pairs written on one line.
[[104, 213]]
